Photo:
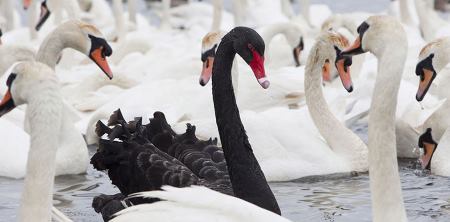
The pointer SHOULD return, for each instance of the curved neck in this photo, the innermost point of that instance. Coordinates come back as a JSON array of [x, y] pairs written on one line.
[[342, 140], [217, 15], [290, 31], [36, 200], [247, 178], [387, 200], [52, 47]]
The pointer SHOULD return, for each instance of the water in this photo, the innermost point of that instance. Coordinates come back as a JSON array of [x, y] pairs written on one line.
[[339, 197]]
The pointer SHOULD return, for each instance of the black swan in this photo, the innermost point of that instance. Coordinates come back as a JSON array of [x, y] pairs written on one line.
[[136, 164]]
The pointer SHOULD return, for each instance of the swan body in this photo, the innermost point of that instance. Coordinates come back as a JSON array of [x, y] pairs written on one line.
[[237, 150], [183, 204]]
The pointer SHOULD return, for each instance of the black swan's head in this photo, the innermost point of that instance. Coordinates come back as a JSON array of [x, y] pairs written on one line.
[[427, 143], [250, 46]]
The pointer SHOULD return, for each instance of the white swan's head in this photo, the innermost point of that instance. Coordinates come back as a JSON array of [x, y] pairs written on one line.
[[378, 34], [86, 39], [432, 59], [326, 50], [209, 46], [427, 143], [26, 81]]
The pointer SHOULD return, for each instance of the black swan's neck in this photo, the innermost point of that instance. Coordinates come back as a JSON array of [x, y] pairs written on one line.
[[247, 178]]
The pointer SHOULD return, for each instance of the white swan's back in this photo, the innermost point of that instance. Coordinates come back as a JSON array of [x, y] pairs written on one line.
[[195, 204]]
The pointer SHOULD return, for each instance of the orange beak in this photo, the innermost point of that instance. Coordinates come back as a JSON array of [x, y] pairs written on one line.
[[354, 49], [344, 74], [425, 83], [426, 159], [326, 73], [206, 71], [26, 4], [7, 103], [100, 60]]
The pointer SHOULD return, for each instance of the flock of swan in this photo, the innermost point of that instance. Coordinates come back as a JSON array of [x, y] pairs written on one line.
[[285, 88]]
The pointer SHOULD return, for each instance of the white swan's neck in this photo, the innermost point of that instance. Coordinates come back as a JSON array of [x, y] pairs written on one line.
[[238, 11], [8, 12], [405, 14], [429, 20], [119, 19], [32, 19], [305, 10], [217, 15], [287, 9], [132, 10], [36, 200], [62, 37], [342, 140], [387, 200], [71, 7]]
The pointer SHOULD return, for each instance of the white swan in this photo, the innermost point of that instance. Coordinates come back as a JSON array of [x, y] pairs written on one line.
[[433, 59], [381, 35], [72, 157], [35, 84], [436, 155], [340, 139]]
